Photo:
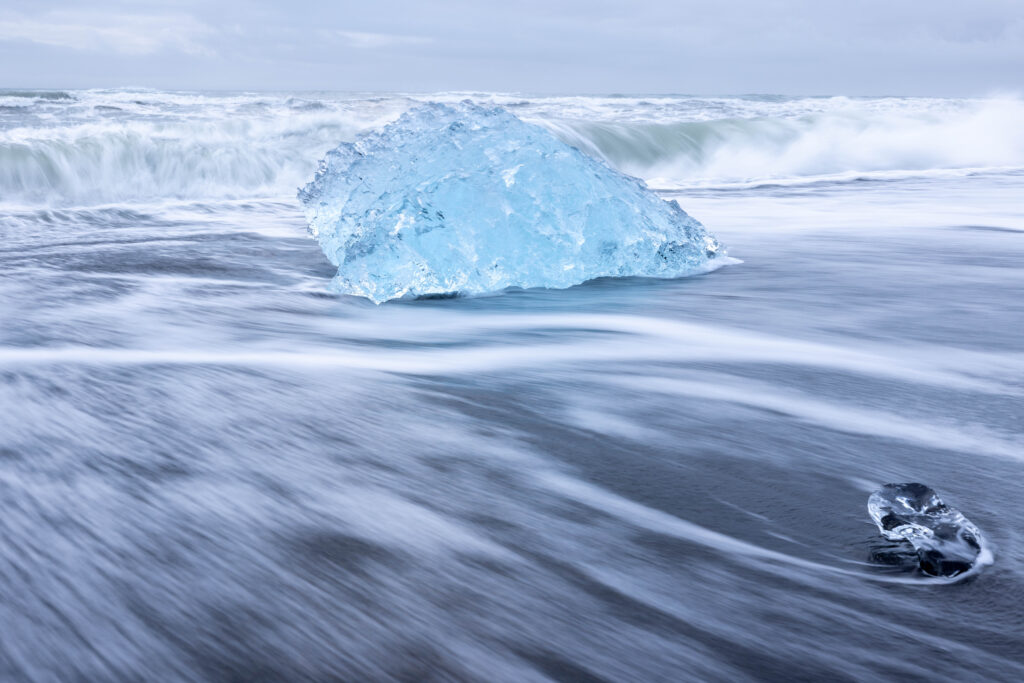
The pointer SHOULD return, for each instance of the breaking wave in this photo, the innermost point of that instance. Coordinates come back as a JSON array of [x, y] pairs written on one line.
[[114, 147], [852, 140], [116, 161]]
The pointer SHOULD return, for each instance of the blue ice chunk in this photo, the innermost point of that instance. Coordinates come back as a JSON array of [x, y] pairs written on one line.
[[469, 199]]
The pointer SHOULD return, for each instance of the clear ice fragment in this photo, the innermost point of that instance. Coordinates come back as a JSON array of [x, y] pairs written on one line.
[[469, 199], [945, 542]]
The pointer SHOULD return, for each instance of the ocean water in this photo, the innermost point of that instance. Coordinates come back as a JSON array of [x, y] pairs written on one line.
[[213, 468]]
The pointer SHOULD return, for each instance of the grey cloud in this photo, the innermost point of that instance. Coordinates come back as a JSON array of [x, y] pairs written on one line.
[[130, 34], [699, 46]]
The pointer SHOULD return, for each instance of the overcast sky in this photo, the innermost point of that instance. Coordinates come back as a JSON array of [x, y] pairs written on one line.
[[940, 47]]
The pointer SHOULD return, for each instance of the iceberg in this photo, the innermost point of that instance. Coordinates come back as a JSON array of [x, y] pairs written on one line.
[[467, 199], [944, 541]]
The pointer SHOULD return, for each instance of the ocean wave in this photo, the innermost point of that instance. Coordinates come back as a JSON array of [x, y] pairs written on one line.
[[115, 160], [846, 142], [38, 94], [74, 149]]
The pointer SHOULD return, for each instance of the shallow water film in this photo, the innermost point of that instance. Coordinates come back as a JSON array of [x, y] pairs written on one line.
[[213, 468]]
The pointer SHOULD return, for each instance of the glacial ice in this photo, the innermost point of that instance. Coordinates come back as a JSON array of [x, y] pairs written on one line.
[[469, 199], [944, 541]]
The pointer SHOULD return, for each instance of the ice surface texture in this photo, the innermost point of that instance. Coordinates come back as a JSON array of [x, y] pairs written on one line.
[[945, 542], [470, 199]]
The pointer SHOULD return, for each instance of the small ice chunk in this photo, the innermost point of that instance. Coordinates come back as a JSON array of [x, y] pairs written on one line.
[[945, 542], [469, 199]]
